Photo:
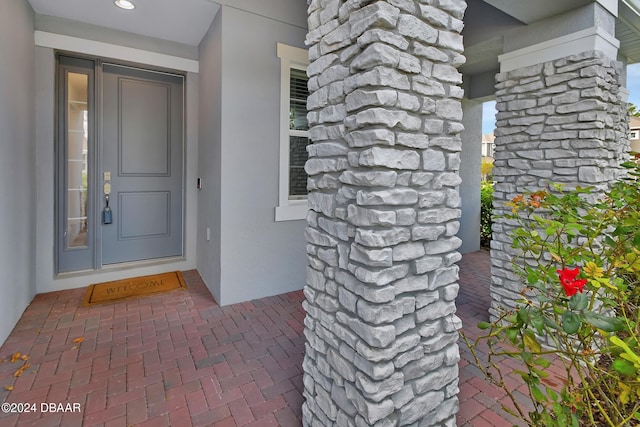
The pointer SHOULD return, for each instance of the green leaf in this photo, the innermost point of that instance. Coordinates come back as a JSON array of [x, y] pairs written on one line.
[[546, 419], [551, 393], [538, 322], [523, 316], [631, 356], [624, 367], [539, 373], [532, 277], [512, 335], [579, 301], [484, 325], [541, 361], [525, 375], [531, 342], [562, 418], [572, 229], [605, 323], [538, 395], [570, 322], [550, 323], [574, 421]]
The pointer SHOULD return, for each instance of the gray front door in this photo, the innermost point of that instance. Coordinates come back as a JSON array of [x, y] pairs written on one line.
[[141, 164]]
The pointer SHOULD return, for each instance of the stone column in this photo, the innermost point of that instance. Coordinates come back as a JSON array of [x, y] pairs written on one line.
[[562, 121], [385, 116]]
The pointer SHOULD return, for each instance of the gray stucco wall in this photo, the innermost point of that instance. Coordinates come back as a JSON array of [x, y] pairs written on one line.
[[249, 254], [471, 160], [17, 162], [208, 260]]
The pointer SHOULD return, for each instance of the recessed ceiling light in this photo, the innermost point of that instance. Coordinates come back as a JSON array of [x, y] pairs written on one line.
[[125, 4]]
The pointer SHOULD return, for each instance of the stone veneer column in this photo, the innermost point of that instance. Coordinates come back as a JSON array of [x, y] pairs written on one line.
[[385, 114], [563, 121]]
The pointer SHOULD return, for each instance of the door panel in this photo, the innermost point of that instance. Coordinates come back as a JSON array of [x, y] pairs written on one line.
[[144, 214], [142, 156], [145, 117]]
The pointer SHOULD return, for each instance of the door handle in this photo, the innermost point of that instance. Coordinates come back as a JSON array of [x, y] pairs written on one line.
[[107, 214]]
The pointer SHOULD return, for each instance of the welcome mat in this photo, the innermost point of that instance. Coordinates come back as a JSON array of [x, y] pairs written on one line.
[[138, 286]]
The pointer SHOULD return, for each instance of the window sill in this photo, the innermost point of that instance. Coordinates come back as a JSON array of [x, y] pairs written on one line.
[[295, 210]]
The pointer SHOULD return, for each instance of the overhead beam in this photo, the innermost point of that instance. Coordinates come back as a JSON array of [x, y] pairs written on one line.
[[529, 12]]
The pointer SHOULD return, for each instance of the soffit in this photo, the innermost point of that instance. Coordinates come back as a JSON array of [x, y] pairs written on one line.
[[181, 21], [529, 11], [628, 31], [486, 22]]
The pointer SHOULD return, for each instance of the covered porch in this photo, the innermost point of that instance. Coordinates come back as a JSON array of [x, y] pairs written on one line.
[[180, 359], [561, 76]]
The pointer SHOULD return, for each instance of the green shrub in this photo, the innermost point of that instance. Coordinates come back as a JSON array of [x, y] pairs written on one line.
[[580, 268], [486, 207], [486, 168]]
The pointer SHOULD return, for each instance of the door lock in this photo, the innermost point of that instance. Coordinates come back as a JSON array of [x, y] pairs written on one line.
[[107, 215]]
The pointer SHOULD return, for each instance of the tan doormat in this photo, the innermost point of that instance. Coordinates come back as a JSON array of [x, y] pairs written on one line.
[[145, 285]]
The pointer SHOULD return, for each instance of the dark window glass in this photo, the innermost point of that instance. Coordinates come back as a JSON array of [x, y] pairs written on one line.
[[298, 139]]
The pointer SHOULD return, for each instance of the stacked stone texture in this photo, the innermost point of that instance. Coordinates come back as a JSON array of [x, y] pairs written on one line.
[[564, 122], [385, 114]]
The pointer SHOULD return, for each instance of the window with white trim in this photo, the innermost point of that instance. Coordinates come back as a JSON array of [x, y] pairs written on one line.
[[294, 133], [634, 134]]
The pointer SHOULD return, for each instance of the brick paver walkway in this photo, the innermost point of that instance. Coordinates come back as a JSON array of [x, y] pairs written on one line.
[[178, 359], [480, 402]]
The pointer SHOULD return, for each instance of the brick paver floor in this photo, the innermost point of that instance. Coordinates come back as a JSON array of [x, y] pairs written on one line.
[[480, 402], [179, 359]]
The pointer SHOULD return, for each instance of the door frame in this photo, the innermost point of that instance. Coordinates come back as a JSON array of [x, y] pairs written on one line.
[[95, 163]]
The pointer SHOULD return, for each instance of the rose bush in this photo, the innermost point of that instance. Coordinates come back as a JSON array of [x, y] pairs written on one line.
[[580, 268], [569, 282]]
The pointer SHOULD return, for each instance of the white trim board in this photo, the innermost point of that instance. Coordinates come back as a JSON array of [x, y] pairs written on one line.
[[91, 47], [611, 5], [593, 38]]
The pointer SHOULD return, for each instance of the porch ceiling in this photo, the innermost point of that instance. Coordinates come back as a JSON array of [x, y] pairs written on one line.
[[182, 21], [186, 21], [628, 30], [529, 11], [487, 22]]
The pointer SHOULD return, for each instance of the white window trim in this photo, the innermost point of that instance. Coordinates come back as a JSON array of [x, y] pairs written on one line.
[[287, 209]]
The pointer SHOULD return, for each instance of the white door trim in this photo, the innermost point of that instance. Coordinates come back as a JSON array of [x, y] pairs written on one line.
[[108, 50]]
